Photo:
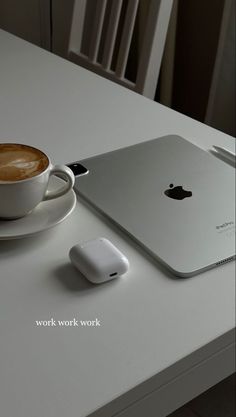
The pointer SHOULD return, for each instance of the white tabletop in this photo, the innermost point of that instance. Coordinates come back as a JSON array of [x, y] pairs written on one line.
[[153, 327]]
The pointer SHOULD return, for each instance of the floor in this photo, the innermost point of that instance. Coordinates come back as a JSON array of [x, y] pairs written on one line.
[[218, 401]]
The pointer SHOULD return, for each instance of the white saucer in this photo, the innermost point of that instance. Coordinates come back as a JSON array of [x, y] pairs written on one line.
[[46, 215]]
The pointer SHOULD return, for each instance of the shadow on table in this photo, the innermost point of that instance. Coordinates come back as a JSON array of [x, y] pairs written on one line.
[[70, 278], [74, 281]]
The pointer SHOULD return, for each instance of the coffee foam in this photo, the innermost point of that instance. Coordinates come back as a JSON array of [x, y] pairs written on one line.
[[19, 162]]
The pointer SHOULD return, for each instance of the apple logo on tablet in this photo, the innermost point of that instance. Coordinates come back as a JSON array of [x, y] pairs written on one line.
[[177, 193]]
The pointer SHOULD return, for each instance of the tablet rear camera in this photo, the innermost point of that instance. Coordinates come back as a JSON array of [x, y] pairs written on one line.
[[78, 169]]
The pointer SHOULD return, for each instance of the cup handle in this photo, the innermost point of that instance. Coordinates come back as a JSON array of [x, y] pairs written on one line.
[[66, 174]]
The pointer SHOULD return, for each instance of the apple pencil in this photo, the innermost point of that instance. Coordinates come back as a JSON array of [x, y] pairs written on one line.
[[230, 156]]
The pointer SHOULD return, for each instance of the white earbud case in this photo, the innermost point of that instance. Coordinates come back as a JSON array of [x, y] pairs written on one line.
[[99, 260]]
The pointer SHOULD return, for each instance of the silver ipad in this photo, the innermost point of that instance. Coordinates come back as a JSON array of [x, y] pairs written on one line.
[[175, 199]]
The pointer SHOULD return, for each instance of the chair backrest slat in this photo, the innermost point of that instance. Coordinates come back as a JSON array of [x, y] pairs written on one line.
[[111, 33], [126, 38], [97, 29], [77, 25], [153, 45]]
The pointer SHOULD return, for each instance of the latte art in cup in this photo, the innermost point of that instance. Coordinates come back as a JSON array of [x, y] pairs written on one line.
[[19, 162], [24, 179]]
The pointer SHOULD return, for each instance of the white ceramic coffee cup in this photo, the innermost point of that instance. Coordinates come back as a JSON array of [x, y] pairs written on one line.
[[18, 198]]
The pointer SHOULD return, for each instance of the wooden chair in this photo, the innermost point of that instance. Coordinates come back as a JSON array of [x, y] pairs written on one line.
[[96, 53]]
